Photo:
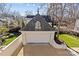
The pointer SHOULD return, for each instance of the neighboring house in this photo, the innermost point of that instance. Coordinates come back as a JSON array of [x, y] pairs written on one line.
[[6, 19], [76, 28], [1, 21]]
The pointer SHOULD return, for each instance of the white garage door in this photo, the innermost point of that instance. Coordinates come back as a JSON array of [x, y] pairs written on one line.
[[37, 37]]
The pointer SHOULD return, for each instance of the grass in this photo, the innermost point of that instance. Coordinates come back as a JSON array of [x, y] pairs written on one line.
[[9, 40], [70, 40]]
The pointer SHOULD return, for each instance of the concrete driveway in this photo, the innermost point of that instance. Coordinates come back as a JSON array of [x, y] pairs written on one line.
[[43, 50]]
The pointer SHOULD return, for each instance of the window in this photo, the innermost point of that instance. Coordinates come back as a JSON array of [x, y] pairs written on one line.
[[37, 25]]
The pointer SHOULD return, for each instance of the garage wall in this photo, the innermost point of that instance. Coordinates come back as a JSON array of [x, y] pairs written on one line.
[[37, 36]]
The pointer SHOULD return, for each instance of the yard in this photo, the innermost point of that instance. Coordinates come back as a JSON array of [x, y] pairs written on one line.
[[7, 39], [70, 40]]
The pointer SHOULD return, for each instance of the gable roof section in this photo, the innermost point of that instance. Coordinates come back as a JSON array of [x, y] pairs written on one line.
[[31, 25]]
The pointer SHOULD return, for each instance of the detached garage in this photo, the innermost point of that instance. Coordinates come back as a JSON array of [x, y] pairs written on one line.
[[39, 31]]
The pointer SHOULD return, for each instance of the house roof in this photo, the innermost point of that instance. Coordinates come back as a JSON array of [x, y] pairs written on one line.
[[44, 24], [47, 18]]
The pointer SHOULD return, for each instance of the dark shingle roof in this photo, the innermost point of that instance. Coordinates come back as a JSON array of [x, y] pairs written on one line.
[[47, 18], [31, 25]]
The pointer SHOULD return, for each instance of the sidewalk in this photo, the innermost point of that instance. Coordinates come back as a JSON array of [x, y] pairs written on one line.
[[76, 49], [20, 53]]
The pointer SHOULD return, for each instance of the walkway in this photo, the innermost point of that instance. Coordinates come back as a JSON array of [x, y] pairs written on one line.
[[20, 53], [43, 50], [76, 49]]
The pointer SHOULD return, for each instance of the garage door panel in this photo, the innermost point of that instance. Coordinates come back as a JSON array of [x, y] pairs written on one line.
[[38, 37]]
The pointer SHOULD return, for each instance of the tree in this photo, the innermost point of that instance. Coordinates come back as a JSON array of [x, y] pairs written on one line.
[[41, 6], [28, 12], [63, 11], [22, 23], [4, 9]]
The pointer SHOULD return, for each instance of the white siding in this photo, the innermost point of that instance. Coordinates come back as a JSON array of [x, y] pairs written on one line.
[[37, 36]]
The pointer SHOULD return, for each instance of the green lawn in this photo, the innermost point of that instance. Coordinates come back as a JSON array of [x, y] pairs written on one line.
[[9, 40], [70, 40]]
